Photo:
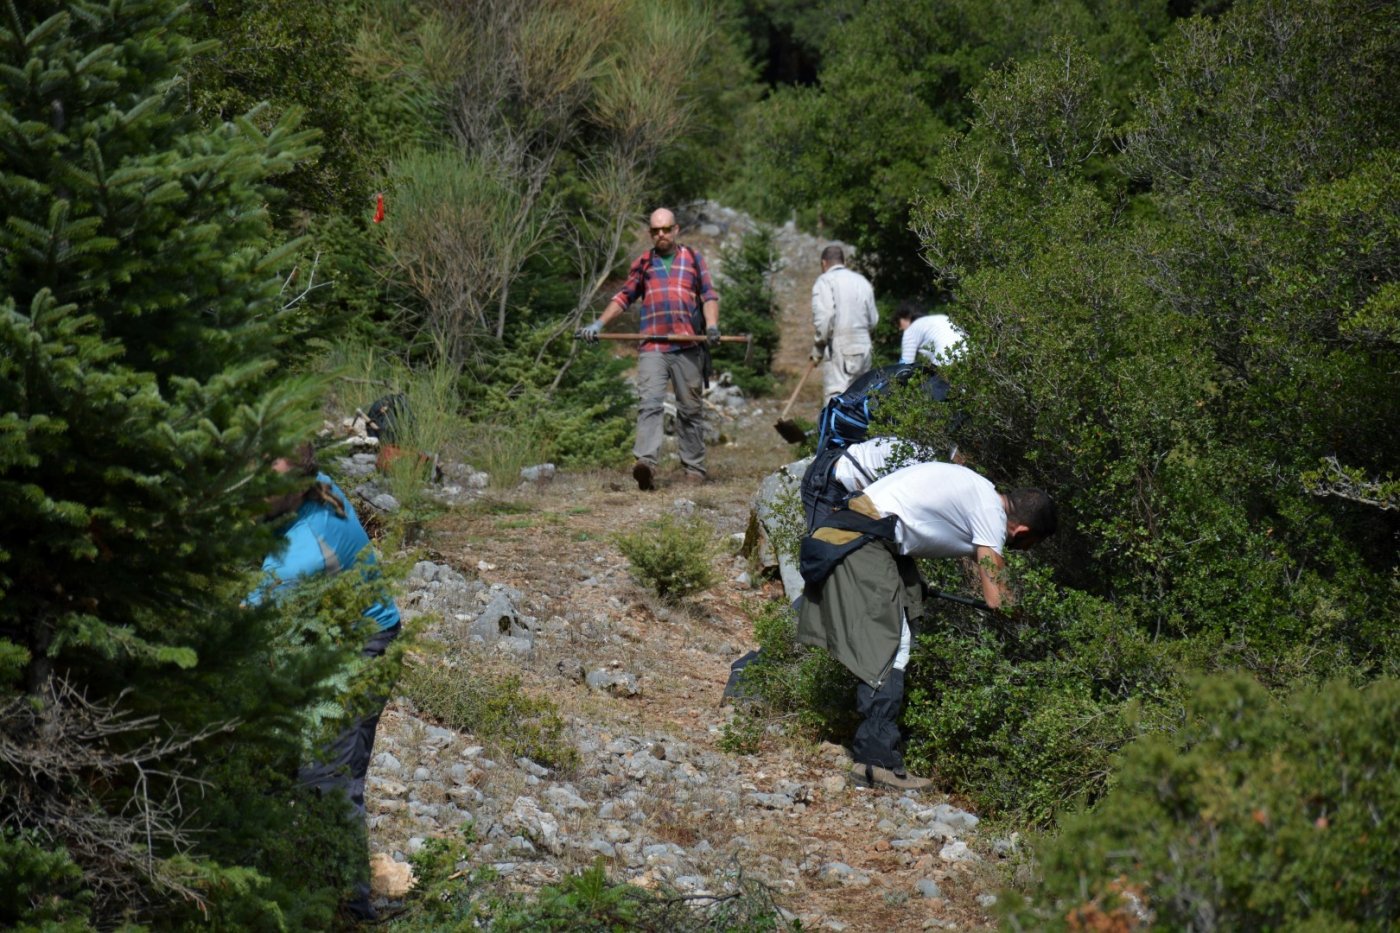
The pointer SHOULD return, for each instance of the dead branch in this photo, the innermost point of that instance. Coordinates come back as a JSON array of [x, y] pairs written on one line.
[[60, 760]]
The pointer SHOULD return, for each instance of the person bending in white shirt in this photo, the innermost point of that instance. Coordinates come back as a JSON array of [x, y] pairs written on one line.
[[862, 608]]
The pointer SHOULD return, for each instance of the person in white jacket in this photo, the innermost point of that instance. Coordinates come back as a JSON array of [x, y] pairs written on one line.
[[843, 316]]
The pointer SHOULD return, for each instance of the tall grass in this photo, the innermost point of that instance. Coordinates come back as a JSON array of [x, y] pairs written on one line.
[[430, 427], [435, 426], [503, 447]]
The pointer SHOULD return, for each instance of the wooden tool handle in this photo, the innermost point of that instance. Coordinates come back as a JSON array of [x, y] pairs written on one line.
[[800, 383], [676, 338]]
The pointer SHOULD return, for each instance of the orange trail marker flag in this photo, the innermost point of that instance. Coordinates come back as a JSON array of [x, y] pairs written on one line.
[[378, 207]]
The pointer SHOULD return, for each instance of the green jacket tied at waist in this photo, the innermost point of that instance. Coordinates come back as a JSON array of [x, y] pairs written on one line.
[[856, 612]]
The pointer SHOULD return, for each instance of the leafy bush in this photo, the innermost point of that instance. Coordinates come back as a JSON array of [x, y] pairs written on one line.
[[672, 556], [496, 710], [1025, 712], [789, 680], [1128, 352], [1256, 815]]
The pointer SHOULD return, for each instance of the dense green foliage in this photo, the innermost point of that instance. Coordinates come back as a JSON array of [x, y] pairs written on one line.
[[1160, 337], [1252, 815], [150, 725], [1176, 265], [895, 90], [291, 54], [1169, 229]]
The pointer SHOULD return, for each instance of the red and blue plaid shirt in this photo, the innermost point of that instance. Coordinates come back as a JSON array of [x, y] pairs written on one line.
[[670, 298]]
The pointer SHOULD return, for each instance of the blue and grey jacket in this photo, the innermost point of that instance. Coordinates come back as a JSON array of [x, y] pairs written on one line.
[[320, 541]]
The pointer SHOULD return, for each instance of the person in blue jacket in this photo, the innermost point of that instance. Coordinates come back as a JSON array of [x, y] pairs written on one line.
[[326, 537]]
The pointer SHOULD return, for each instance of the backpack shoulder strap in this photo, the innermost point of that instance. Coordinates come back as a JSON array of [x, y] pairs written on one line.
[[846, 452]]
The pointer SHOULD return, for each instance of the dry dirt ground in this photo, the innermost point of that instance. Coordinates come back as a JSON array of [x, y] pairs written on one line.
[[551, 539]]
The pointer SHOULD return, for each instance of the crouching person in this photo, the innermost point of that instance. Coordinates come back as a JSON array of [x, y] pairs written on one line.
[[324, 536], [863, 593]]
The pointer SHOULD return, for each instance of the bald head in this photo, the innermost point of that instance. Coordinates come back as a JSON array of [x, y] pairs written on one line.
[[664, 231]]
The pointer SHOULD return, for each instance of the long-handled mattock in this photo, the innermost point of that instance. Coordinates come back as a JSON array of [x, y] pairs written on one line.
[[685, 338], [791, 432], [955, 598]]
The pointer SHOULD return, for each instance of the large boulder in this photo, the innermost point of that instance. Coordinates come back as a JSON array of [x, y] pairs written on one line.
[[775, 525]]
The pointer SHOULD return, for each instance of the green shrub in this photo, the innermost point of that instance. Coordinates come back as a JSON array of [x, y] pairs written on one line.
[[495, 710], [743, 735], [39, 885], [672, 556], [1023, 713], [809, 688], [1255, 815], [545, 397], [448, 896], [590, 901], [445, 893]]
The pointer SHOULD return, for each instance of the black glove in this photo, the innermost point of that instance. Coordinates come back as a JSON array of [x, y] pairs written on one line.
[[712, 335]]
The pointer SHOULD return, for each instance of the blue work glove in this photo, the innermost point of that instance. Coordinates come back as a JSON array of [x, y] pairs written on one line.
[[589, 333], [712, 335]]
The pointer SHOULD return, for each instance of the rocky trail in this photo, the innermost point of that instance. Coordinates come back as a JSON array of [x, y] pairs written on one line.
[[529, 582]]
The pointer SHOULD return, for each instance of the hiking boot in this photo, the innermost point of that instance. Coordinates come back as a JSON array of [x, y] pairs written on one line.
[[863, 775], [645, 475], [694, 479]]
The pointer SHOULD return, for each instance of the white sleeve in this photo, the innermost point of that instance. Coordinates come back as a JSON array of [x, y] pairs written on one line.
[[823, 310], [989, 527], [909, 344]]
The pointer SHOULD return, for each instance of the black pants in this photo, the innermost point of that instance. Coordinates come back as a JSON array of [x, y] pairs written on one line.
[[345, 762], [877, 737]]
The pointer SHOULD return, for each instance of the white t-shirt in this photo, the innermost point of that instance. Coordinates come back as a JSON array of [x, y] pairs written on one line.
[[871, 455], [943, 510], [932, 336]]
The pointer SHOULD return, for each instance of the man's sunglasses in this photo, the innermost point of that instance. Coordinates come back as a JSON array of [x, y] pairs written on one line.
[[657, 231]]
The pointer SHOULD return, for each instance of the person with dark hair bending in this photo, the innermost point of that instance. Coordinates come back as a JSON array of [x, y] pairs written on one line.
[[931, 337], [324, 536], [863, 590]]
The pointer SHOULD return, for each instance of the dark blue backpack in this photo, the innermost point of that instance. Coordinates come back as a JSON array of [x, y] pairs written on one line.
[[845, 420]]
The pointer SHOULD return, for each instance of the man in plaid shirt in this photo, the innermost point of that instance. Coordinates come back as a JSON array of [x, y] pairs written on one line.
[[672, 282]]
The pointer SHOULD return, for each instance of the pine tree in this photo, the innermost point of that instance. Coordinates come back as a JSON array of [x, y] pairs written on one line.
[[144, 714]]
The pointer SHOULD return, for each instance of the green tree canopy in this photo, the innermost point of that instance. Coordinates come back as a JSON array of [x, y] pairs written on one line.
[[140, 306]]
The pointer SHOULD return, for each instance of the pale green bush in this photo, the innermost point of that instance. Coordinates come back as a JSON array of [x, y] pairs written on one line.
[[672, 556]]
